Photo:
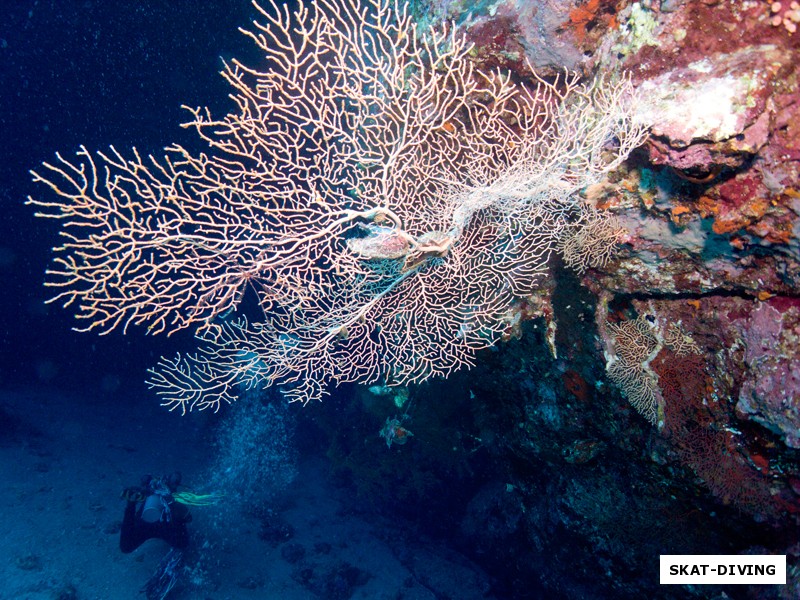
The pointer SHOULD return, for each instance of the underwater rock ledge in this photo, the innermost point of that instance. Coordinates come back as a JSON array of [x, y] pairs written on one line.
[[711, 260]]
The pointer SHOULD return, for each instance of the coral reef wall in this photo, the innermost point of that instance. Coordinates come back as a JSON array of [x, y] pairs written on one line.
[[670, 420]]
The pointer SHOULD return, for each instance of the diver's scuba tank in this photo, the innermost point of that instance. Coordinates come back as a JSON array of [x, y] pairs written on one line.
[[156, 505], [154, 508]]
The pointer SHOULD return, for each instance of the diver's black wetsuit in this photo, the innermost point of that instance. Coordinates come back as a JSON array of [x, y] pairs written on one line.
[[171, 527], [135, 531]]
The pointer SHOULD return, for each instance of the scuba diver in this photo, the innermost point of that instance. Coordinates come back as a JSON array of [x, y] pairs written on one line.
[[152, 511], [156, 509]]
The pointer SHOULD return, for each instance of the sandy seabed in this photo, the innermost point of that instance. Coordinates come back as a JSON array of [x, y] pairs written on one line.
[[63, 464]]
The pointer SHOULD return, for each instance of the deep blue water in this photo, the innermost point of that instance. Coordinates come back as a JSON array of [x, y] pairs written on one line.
[[93, 73]]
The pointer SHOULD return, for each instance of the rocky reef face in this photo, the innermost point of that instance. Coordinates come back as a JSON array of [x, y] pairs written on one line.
[[670, 421]]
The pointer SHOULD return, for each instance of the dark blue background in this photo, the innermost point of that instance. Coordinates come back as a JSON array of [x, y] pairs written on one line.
[[93, 73]]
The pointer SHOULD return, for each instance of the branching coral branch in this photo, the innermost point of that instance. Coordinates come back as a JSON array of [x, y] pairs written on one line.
[[385, 201]]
